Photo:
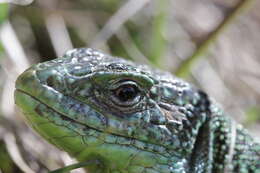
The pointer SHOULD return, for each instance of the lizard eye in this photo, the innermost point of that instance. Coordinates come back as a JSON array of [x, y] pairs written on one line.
[[126, 94]]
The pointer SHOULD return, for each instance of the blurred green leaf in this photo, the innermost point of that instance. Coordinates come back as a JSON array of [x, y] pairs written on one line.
[[253, 115], [158, 42], [3, 11], [1, 49], [3, 16], [75, 166], [6, 164]]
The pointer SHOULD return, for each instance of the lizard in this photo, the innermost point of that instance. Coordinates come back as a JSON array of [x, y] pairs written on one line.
[[131, 118]]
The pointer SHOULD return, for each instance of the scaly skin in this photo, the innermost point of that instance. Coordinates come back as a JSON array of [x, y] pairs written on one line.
[[131, 118]]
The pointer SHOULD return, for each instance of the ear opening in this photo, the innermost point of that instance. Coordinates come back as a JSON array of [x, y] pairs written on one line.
[[204, 102], [202, 151]]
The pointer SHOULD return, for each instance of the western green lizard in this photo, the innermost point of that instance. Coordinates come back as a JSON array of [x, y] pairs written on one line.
[[131, 118]]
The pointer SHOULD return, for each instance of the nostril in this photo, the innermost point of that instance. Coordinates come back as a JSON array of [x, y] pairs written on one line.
[[57, 83], [51, 82]]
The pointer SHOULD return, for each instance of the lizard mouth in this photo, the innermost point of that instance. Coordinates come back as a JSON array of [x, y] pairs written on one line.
[[42, 109], [86, 132]]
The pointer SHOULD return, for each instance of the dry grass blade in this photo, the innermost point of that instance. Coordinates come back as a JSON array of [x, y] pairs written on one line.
[[19, 2], [129, 9], [203, 48], [14, 152], [13, 47], [58, 33], [130, 46]]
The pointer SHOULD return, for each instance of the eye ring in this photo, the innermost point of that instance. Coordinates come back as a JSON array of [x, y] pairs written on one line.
[[126, 94]]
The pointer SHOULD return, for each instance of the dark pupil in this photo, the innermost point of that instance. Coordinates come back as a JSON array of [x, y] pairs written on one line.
[[126, 93]]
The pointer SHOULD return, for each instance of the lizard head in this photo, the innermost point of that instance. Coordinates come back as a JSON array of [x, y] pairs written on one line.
[[94, 105]]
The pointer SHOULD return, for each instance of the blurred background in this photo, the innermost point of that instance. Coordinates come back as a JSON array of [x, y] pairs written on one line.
[[214, 44]]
